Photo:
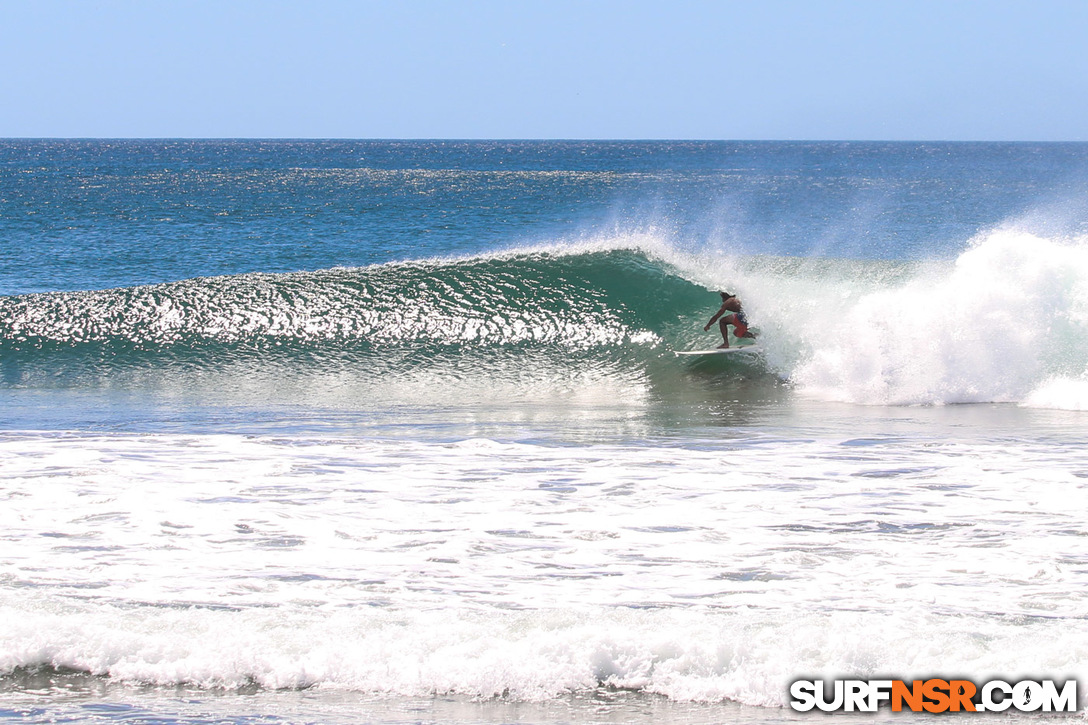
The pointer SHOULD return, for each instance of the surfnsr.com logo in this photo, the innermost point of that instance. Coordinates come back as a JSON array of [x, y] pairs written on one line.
[[934, 695]]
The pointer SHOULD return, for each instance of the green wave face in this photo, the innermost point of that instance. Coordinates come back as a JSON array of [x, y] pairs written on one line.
[[594, 307], [577, 301]]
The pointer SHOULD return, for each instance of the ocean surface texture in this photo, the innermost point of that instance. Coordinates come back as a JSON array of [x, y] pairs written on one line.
[[361, 431]]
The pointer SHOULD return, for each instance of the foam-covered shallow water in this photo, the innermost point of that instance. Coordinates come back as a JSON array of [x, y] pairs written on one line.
[[703, 572], [341, 432], [65, 698]]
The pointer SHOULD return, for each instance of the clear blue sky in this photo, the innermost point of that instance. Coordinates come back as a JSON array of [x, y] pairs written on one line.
[[743, 69]]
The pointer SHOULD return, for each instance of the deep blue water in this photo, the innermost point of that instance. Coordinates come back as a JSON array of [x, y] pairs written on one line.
[[97, 214]]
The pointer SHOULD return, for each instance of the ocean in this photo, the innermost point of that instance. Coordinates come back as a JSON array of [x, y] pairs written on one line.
[[394, 431]]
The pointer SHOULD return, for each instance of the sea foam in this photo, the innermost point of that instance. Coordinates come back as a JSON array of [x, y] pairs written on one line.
[[695, 654], [488, 569], [1006, 319]]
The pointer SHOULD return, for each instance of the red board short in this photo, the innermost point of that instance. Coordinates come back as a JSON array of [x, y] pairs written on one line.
[[740, 329]]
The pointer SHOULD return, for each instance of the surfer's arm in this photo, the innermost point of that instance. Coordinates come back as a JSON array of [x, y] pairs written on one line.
[[714, 318]]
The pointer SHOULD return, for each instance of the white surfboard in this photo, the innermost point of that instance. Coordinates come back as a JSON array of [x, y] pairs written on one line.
[[720, 350]]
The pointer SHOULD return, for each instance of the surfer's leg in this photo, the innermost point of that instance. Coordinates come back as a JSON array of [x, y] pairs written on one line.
[[724, 325]]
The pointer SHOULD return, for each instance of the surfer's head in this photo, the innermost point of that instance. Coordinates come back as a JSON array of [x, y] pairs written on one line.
[[726, 296]]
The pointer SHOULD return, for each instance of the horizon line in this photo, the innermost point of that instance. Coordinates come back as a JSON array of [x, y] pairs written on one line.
[[526, 139]]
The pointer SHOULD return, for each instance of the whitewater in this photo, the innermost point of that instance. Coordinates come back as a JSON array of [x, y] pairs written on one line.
[[395, 432]]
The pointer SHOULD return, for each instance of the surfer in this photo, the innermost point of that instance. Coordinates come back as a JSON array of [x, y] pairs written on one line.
[[739, 320]]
